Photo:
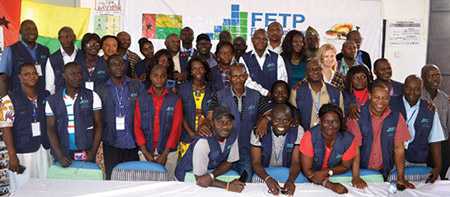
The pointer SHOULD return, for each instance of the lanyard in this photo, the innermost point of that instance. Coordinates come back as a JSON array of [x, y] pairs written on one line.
[[317, 104], [34, 112], [119, 97], [411, 117]]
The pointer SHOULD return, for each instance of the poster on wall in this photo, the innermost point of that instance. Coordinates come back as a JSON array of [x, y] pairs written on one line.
[[404, 33], [107, 17]]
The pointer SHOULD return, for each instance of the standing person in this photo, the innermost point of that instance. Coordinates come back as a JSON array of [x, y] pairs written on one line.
[[187, 37], [67, 53], [93, 66], [27, 141], [180, 60], [147, 49], [312, 42], [196, 94], [431, 76], [263, 66], [383, 70], [240, 47], [220, 73], [362, 57], [326, 55], [118, 96], [6, 121], [275, 34], [26, 50], [158, 118], [348, 59], [225, 36], [204, 49], [129, 56], [74, 119], [293, 56]]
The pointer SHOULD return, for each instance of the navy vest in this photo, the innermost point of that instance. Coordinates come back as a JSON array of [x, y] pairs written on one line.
[[99, 75], [387, 138], [166, 117], [185, 91], [216, 78], [304, 102], [243, 121], [84, 119], [289, 143], [57, 62], [268, 75], [109, 134], [343, 142], [418, 149], [397, 88], [20, 55], [216, 155], [24, 141]]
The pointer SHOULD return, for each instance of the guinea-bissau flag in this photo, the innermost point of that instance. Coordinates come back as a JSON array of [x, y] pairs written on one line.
[[9, 21], [50, 18]]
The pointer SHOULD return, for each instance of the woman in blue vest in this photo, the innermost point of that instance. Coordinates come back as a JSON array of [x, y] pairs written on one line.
[[293, 55], [196, 94], [210, 157], [93, 66], [328, 149], [278, 148], [147, 50], [74, 119], [27, 141], [356, 93], [219, 73]]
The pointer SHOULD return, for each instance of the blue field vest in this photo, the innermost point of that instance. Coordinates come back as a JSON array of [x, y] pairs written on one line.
[[268, 74], [304, 102], [289, 143], [341, 145], [100, 74], [84, 119], [24, 142], [216, 78], [57, 63]]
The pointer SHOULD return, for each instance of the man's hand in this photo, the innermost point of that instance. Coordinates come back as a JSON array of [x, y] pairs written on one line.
[[403, 184], [65, 162], [205, 129], [161, 159], [319, 176], [289, 187], [261, 127], [204, 181], [337, 187], [359, 183], [236, 186], [14, 163], [148, 156], [273, 186], [433, 176]]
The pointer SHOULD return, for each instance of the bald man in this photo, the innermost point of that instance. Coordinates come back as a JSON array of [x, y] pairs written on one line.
[[130, 57], [431, 76], [361, 56], [180, 60], [275, 34], [26, 50], [423, 126]]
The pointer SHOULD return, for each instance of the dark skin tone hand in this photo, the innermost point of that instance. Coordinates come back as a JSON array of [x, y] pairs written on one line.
[[54, 143], [9, 142]]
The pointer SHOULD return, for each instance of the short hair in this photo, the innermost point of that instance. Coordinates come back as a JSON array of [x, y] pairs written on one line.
[[259, 30], [171, 35], [330, 107], [238, 64], [104, 38], [113, 57], [413, 77], [88, 37], [379, 61], [281, 82], [224, 44], [205, 66], [427, 68], [380, 84], [222, 111], [282, 107], [157, 67], [70, 65], [65, 28]]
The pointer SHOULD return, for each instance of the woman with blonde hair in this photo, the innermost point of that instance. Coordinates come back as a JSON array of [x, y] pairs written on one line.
[[327, 57]]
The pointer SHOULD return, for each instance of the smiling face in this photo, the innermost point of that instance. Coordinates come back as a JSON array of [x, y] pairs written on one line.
[[92, 47], [383, 70], [281, 119], [379, 99], [28, 75], [412, 89], [109, 47], [198, 70], [314, 71], [330, 124], [223, 126], [28, 31], [280, 93], [329, 58], [124, 40], [432, 78], [73, 76], [259, 40]]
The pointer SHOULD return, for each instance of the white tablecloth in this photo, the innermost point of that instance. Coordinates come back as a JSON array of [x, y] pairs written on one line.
[[64, 188]]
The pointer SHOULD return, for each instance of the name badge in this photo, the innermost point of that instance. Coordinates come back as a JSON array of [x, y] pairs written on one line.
[[89, 85], [38, 69], [36, 129], [120, 123]]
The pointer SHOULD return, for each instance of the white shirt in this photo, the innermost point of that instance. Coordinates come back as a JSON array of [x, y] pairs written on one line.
[[276, 158], [50, 74], [277, 49], [281, 72], [176, 62], [200, 156], [436, 134]]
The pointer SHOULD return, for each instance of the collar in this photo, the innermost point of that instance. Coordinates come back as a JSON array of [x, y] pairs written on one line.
[[243, 94], [26, 45], [323, 90], [266, 52], [152, 91], [65, 94], [74, 54], [408, 106], [386, 112], [125, 81]]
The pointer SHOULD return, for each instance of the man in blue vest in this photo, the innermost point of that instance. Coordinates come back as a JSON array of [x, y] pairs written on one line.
[[242, 102], [187, 37], [67, 53], [383, 71], [74, 119], [180, 60], [118, 97], [381, 133], [278, 148], [25, 51], [204, 49], [210, 157], [314, 93], [424, 127], [263, 65], [26, 140]]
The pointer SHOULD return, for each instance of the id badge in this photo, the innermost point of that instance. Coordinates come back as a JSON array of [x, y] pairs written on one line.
[[38, 69], [90, 85], [81, 156], [36, 129], [120, 122]]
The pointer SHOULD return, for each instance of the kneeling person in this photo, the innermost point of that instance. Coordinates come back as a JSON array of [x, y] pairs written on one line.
[[216, 153], [278, 148]]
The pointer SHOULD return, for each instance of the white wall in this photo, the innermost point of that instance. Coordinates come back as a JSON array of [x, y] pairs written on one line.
[[409, 60]]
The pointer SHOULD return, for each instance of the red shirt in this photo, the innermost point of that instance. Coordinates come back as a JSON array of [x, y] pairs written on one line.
[[307, 149], [401, 136], [362, 96], [175, 131]]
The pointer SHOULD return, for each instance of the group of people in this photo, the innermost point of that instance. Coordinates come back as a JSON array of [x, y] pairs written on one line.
[[288, 103]]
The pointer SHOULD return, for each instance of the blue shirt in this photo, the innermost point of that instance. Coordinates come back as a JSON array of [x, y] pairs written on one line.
[[436, 134], [6, 59]]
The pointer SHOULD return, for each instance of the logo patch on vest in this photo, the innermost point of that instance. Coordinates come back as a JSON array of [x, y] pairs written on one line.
[[169, 109], [101, 72], [390, 129], [289, 145], [133, 94], [84, 103], [251, 107], [338, 156]]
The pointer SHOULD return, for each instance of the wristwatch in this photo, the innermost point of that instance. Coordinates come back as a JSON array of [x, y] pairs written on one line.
[[330, 172]]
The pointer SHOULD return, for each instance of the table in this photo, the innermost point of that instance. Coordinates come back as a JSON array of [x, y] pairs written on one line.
[[58, 188]]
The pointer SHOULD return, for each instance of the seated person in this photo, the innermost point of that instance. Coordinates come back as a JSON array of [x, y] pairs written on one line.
[[423, 126], [279, 148], [380, 134], [216, 153], [74, 119], [327, 149]]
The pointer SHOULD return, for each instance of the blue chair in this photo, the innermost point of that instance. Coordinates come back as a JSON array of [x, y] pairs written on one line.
[[412, 173], [78, 170], [139, 171], [280, 174]]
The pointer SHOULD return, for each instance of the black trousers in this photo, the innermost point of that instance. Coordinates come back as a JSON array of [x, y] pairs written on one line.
[[445, 148], [113, 156]]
